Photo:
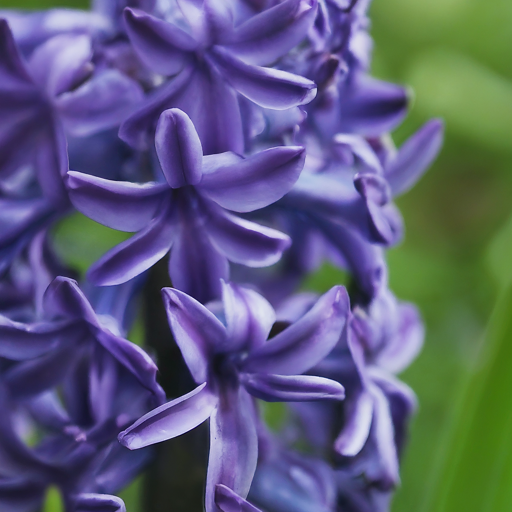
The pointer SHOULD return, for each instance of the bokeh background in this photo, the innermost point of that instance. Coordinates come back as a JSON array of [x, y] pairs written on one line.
[[456, 259]]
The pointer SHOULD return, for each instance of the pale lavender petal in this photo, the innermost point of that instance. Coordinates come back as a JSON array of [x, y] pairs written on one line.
[[102, 102], [137, 254], [384, 438], [20, 341], [171, 419], [198, 333], [162, 46], [88, 502], [245, 242], [306, 342], [132, 357], [249, 317], [265, 37], [414, 157], [179, 149], [255, 182], [233, 446], [270, 88], [291, 388], [120, 205], [229, 501], [358, 412], [196, 266], [61, 63]]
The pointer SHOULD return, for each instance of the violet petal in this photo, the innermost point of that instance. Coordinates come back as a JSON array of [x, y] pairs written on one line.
[[306, 342], [268, 35], [246, 242], [171, 419], [270, 88], [414, 157], [178, 148], [120, 205], [163, 46], [196, 330], [249, 317], [255, 182], [292, 388], [233, 445], [137, 254], [229, 501]]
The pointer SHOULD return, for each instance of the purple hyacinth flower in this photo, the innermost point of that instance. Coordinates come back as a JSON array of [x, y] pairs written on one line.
[[231, 362], [55, 92], [212, 62], [189, 212], [63, 340]]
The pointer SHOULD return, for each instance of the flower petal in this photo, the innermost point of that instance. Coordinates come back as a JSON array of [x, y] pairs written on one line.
[[20, 341], [171, 419], [102, 102], [364, 260], [414, 157], [132, 357], [213, 108], [35, 376], [265, 37], [233, 445], [61, 62], [245, 242], [120, 205], [137, 254], [12, 70], [255, 182], [229, 501], [371, 107], [88, 502], [306, 342], [198, 333], [179, 149], [249, 317], [137, 130], [270, 88], [196, 266], [64, 298], [292, 388], [406, 343], [162, 46]]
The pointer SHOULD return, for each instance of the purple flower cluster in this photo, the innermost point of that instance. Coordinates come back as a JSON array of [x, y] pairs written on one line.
[[246, 140]]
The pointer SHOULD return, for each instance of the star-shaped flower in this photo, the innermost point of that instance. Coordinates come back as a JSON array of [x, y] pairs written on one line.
[[213, 61], [233, 361], [188, 213]]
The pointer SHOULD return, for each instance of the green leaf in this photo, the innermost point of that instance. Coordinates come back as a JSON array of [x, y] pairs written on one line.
[[53, 501], [475, 471]]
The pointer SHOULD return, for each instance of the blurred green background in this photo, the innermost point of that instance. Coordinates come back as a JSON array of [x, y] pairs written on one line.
[[457, 255]]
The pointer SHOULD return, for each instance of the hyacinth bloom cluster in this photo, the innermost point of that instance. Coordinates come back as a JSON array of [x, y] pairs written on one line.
[[243, 143]]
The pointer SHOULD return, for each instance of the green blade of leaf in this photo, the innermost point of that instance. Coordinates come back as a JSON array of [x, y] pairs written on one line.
[[475, 471]]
